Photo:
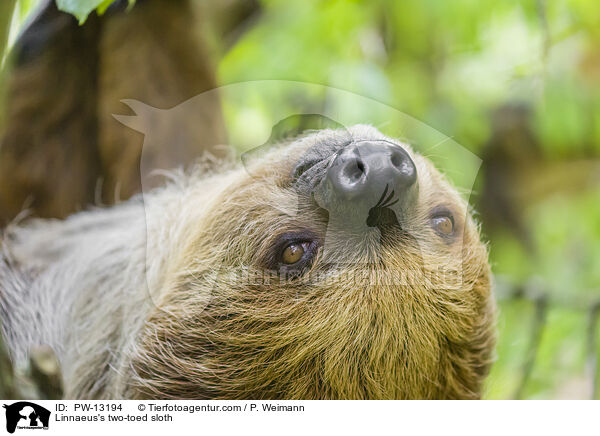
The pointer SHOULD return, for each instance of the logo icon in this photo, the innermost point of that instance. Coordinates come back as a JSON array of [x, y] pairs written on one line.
[[26, 415]]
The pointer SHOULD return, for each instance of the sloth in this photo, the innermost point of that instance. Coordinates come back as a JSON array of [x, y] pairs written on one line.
[[338, 265]]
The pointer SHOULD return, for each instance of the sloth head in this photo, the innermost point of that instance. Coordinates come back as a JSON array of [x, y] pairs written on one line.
[[341, 265]]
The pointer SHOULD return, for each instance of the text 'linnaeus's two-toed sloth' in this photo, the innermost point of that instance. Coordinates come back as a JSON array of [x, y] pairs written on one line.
[[339, 266]]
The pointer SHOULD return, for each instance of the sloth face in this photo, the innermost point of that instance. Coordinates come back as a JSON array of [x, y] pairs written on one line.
[[368, 198], [341, 266]]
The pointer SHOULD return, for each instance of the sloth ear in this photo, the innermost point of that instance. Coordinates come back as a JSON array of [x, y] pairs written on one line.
[[142, 120]]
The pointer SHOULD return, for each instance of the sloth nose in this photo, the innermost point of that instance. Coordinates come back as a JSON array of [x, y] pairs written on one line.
[[366, 169]]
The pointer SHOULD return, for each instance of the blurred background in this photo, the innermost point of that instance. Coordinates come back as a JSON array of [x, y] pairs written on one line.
[[516, 84]]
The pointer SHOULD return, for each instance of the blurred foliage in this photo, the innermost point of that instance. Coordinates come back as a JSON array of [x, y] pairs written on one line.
[[16, 19], [6, 13], [449, 65]]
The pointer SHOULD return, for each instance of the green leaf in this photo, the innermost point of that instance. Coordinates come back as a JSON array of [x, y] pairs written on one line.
[[82, 8]]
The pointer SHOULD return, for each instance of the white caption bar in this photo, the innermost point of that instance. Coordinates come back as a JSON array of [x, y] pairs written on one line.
[[299, 417]]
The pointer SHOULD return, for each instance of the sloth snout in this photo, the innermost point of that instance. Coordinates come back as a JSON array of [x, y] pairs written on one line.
[[363, 170]]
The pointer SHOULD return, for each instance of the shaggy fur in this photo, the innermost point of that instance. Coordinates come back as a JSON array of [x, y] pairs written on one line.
[[167, 297]]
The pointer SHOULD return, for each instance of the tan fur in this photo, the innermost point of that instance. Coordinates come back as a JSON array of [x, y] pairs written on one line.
[[333, 341]]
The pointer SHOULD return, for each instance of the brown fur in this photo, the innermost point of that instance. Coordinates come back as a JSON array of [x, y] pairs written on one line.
[[61, 149], [48, 152]]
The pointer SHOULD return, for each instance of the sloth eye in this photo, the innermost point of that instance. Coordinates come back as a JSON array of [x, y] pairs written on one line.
[[443, 223], [293, 253]]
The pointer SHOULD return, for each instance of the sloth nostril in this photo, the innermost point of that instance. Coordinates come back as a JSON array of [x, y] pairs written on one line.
[[354, 170], [405, 167]]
